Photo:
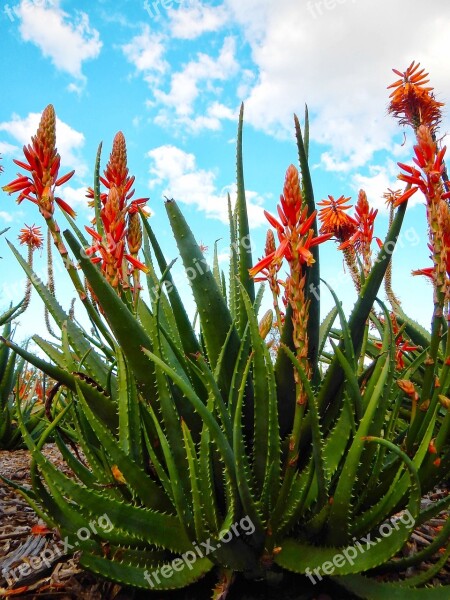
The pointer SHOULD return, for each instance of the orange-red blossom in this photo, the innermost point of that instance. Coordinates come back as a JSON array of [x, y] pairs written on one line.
[[425, 179], [426, 176], [411, 102], [364, 218], [42, 164], [294, 231], [335, 219], [31, 236], [296, 236], [402, 347], [112, 244]]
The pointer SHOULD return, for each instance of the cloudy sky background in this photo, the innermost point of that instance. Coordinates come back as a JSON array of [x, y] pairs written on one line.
[[171, 75]]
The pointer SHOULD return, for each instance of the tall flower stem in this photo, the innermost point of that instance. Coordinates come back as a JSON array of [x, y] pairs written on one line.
[[277, 311], [393, 300], [76, 280], [32, 238], [296, 237], [50, 283]]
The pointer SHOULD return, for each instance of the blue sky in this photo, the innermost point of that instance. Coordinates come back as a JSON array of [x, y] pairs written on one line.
[[172, 74]]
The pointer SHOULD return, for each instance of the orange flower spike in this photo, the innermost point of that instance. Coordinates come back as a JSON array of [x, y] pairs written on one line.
[[365, 217], [429, 180], [294, 231], [412, 103], [291, 200], [335, 219], [134, 233], [116, 171], [391, 196], [112, 246], [270, 243], [42, 162], [31, 236]]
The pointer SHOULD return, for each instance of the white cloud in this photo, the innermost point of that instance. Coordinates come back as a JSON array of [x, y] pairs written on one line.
[[67, 40], [146, 52], [192, 21], [69, 141], [75, 197], [223, 257], [184, 88], [6, 148], [177, 173], [198, 77], [253, 15], [377, 183], [331, 59], [212, 119], [6, 216], [220, 111]]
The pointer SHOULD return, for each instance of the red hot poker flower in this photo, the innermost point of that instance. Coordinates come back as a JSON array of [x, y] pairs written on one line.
[[428, 179], [31, 236], [361, 240], [293, 229], [335, 219], [42, 164], [431, 164], [412, 103], [112, 246], [402, 346], [391, 196], [364, 218], [444, 221], [296, 236]]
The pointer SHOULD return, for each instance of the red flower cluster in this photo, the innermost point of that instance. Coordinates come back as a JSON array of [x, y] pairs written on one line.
[[42, 162], [402, 346], [335, 219], [431, 165], [112, 243], [364, 220], [294, 228], [412, 103], [31, 236]]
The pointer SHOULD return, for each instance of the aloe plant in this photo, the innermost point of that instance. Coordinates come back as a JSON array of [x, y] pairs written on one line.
[[22, 386], [10, 371], [204, 452]]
